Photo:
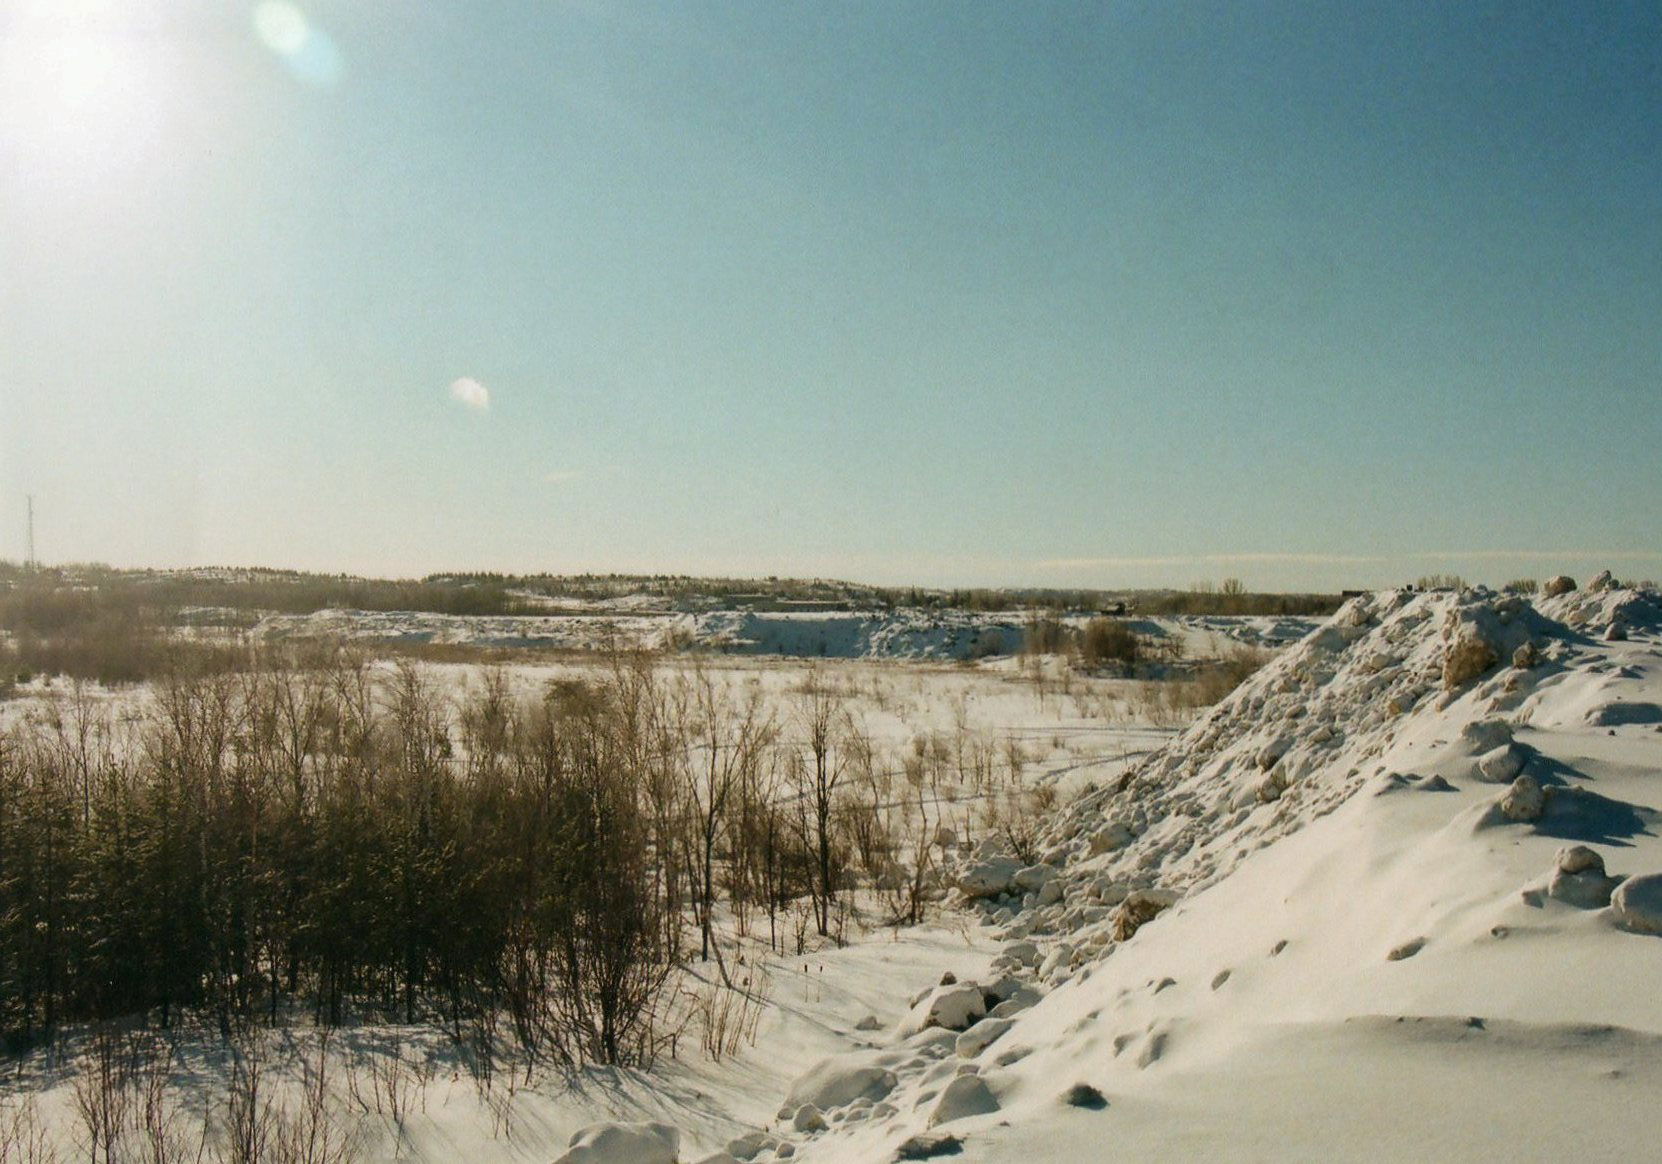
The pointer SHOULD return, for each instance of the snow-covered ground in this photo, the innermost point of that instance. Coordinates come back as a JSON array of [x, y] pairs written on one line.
[[1374, 952], [893, 634], [1342, 915]]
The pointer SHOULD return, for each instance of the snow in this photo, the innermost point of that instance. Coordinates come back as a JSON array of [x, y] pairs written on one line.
[[641, 621], [1306, 926], [1357, 969]]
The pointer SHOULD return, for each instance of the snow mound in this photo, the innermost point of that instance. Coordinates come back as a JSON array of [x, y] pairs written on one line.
[[647, 1143], [837, 1082], [1308, 730], [1303, 887]]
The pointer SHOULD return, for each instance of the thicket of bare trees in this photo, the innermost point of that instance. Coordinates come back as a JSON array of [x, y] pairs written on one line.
[[310, 834], [320, 837]]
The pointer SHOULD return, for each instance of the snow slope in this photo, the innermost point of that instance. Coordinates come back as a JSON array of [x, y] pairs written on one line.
[[1364, 960]]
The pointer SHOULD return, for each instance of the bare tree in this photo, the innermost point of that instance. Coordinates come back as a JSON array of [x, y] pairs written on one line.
[[727, 737], [824, 722]]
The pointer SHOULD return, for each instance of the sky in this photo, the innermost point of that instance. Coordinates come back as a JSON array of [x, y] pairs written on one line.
[[1117, 294]]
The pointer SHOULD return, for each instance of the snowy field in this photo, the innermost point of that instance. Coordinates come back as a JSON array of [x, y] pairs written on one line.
[[1397, 897], [990, 733]]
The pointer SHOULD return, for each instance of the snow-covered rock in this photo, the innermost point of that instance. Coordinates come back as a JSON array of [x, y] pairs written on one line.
[[989, 877], [1500, 765], [952, 1008], [1033, 877], [1637, 903], [1480, 736], [981, 1036], [751, 1145], [965, 1096], [1525, 801], [642, 1143], [1115, 834], [1579, 879], [838, 1081]]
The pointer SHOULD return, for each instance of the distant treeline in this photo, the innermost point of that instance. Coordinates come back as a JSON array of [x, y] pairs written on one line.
[[1201, 601]]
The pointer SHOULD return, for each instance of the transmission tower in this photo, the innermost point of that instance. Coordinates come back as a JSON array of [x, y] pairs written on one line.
[[30, 560]]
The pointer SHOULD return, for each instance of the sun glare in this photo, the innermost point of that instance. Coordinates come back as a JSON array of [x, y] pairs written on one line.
[[82, 89]]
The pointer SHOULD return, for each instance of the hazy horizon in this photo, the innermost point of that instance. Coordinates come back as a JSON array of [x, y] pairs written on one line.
[[1055, 295]]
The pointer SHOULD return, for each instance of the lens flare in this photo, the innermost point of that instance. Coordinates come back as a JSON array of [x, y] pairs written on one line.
[[282, 26], [306, 50]]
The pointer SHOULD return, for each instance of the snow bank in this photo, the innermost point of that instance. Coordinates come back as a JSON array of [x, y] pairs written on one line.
[[1303, 885]]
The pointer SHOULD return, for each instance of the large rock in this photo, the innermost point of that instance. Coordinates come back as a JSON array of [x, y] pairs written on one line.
[[1484, 735], [1033, 877], [1500, 765], [989, 877], [1578, 878], [1271, 753], [965, 1096], [1469, 653], [1270, 786], [1140, 907], [751, 1145], [1525, 801], [644, 1143], [1479, 634], [1637, 903], [1556, 585], [1116, 834], [836, 1082], [1578, 859]]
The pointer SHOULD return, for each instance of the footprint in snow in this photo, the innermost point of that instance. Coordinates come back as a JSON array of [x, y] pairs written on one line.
[[1152, 1049]]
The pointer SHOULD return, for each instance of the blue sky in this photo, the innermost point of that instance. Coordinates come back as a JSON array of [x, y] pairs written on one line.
[[1115, 294]]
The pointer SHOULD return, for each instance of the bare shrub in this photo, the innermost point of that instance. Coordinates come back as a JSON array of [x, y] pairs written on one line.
[[24, 1137], [727, 1015], [1109, 642], [313, 1130], [250, 1116], [1440, 582], [166, 1133], [103, 1095], [1044, 634]]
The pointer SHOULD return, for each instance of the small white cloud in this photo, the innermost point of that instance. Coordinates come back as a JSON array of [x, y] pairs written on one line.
[[561, 476], [469, 392]]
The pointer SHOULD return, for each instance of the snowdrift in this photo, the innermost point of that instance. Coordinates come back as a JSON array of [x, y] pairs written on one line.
[[1396, 897]]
